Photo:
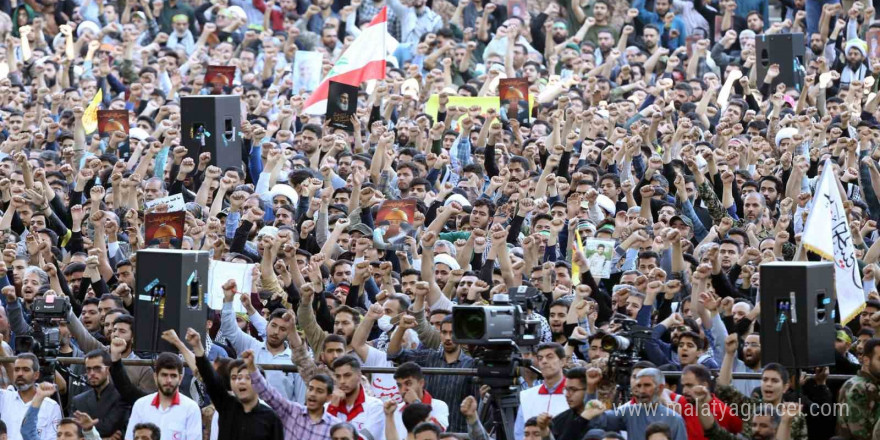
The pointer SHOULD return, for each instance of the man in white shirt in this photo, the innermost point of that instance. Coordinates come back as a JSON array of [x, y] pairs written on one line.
[[273, 351], [411, 383], [384, 385], [178, 415], [14, 403], [350, 403], [550, 396]]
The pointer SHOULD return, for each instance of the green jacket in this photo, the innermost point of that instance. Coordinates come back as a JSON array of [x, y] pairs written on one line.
[[860, 395], [735, 399]]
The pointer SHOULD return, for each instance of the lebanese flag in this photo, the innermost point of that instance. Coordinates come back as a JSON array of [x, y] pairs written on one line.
[[364, 60]]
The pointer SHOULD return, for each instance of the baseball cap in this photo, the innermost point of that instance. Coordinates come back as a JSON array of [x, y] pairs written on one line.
[[362, 228], [595, 434], [684, 219]]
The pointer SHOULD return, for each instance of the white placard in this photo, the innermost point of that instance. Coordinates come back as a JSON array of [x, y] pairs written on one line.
[[219, 273], [175, 202]]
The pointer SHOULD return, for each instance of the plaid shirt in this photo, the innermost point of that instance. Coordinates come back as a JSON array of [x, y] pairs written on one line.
[[460, 153], [294, 416], [369, 9], [388, 184]]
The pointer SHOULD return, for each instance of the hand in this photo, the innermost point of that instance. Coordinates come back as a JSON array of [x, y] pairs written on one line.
[[248, 358], [229, 290], [545, 419], [731, 343], [789, 411], [701, 394], [194, 339], [428, 240], [390, 406], [45, 390], [9, 293], [85, 420], [411, 396], [593, 409], [117, 348], [469, 408], [170, 336], [376, 311]]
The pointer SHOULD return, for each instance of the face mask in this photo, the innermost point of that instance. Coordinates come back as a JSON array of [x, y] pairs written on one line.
[[385, 323]]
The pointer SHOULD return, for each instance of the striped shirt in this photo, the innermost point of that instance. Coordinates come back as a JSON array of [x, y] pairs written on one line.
[[294, 416]]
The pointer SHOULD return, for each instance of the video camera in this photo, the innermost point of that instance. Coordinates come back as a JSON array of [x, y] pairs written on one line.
[[499, 325], [45, 339], [498, 330], [627, 347]]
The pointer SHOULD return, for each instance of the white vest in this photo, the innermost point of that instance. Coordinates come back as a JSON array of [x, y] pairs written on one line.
[[533, 402]]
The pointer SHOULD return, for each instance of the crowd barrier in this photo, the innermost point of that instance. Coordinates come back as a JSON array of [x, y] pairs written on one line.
[[391, 370]]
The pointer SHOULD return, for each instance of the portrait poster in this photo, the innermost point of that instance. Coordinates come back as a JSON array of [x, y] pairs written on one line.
[[341, 105], [599, 253], [110, 121], [394, 222], [517, 8], [873, 38], [514, 99], [164, 230], [307, 71], [219, 79]]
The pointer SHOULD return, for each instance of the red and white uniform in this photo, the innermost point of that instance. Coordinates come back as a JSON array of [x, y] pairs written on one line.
[[366, 414]]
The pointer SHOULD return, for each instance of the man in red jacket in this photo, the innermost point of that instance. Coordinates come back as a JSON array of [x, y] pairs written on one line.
[[693, 376]]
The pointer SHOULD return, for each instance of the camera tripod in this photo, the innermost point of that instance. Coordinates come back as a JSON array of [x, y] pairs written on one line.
[[500, 370]]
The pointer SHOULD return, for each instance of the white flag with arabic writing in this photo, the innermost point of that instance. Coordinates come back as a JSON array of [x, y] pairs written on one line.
[[828, 234]]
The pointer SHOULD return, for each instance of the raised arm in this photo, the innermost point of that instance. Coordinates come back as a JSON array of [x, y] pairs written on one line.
[[359, 339]]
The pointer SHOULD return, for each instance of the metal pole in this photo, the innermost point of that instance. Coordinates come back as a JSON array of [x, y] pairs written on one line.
[[390, 370]]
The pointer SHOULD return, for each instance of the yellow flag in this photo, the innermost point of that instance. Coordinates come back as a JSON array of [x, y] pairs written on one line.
[[575, 268], [90, 116]]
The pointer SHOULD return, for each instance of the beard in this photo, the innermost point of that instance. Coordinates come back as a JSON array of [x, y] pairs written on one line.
[[274, 342], [559, 38], [854, 65], [752, 361], [167, 390], [347, 337], [23, 386]]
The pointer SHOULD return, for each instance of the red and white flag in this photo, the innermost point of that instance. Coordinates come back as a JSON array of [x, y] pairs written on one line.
[[364, 60]]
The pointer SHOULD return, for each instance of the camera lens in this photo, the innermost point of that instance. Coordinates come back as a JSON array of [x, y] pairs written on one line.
[[469, 324], [614, 342]]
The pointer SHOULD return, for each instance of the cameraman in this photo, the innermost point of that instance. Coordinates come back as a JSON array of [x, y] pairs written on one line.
[[20, 327]]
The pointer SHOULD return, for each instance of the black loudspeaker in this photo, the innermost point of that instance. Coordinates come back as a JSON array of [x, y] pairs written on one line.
[[212, 124], [797, 314], [788, 51], [170, 295]]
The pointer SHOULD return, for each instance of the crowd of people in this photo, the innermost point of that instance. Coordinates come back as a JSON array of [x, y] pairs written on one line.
[[661, 162]]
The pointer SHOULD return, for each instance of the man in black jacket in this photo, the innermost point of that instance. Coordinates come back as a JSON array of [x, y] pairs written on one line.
[[569, 425], [102, 401], [241, 415]]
